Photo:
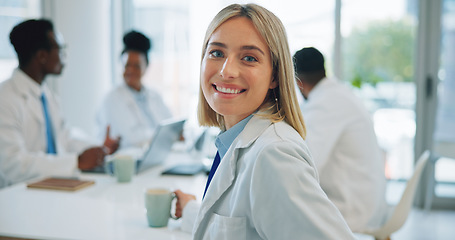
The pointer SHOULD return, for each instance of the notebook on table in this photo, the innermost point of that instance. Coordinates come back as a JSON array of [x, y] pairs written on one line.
[[56, 183], [166, 133]]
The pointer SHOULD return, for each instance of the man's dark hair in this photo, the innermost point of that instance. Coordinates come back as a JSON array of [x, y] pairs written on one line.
[[136, 41], [30, 36], [309, 64]]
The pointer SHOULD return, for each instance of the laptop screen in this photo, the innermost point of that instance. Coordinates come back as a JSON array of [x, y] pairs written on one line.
[[164, 137]]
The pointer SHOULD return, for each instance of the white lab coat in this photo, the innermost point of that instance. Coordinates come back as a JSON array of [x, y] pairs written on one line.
[[120, 110], [266, 187], [23, 133], [341, 137]]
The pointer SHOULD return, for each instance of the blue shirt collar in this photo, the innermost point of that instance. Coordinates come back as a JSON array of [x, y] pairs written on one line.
[[224, 140]]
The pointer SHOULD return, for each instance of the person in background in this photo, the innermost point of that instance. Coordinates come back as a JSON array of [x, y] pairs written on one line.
[[34, 140], [341, 137], [131, 110], [263, 183]]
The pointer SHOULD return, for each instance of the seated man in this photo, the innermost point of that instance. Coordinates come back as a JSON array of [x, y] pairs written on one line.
[[342, 140], [34, 140]]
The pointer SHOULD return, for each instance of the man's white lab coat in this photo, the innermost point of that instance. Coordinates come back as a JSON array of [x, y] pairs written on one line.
[[341, 137], [23, 133]]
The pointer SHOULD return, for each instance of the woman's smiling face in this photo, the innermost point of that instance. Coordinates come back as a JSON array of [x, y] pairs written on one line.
[[135, 65], [236, 70]]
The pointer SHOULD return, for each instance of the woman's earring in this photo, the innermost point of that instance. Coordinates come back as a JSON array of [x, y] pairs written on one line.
[[276, 103]]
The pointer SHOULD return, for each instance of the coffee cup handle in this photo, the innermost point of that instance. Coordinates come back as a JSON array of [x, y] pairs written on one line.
[[173, 215]]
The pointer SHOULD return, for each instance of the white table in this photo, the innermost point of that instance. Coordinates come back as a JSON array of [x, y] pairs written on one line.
[[106, 210]]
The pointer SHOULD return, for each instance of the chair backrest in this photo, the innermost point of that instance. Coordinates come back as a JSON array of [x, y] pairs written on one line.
[[402, 209], [444, 149]]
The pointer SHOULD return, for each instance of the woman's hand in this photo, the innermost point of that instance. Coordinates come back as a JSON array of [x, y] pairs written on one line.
[[182, 200], [110, 144]]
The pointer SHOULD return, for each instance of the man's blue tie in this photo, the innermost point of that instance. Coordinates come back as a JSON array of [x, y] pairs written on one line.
[[215, 164], [49, 135]]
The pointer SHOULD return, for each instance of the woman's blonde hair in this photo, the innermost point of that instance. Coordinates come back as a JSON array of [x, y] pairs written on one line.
[[281, 102]]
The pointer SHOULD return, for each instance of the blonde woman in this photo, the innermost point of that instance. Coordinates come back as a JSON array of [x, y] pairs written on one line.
[[266, 185]]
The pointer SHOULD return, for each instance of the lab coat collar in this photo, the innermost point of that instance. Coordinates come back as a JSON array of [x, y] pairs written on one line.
[[320, 85], [137, 94], [131, 101], [25, 85], [29, 90], [225, 175], [130, 94]]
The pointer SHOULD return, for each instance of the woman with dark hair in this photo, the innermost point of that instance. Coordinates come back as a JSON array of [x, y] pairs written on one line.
[[132, 110]]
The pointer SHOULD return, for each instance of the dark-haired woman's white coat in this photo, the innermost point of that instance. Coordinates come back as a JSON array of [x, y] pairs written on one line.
[[126, 119]]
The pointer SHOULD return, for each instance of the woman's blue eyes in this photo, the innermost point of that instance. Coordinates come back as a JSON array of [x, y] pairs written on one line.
[[219, 54], [216, 53], [249, 59]]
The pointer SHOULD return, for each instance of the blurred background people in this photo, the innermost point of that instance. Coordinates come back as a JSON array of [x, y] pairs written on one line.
[[342, 140], [34, 140], [131, 110]]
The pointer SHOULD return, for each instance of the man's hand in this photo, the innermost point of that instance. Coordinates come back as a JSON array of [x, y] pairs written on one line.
[[91, 158]]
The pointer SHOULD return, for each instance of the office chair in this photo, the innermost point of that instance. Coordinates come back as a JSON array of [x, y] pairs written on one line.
[[401, 211], [441, 149]]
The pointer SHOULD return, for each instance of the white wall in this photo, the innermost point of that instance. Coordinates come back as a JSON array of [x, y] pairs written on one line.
[[85, 26]]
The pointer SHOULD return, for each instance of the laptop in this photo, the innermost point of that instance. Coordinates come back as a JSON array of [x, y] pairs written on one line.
[[191, 168], [166, 133]]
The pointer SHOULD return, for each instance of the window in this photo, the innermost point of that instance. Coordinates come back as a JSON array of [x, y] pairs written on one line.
[[177, 28], [378, 50], [444, 137], [11, 13]]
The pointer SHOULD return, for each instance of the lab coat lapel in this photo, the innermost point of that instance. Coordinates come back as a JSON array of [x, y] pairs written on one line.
[[133, 106], [32, 102], [130, 98], [226, 172], [35, 107], [225, 175]]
